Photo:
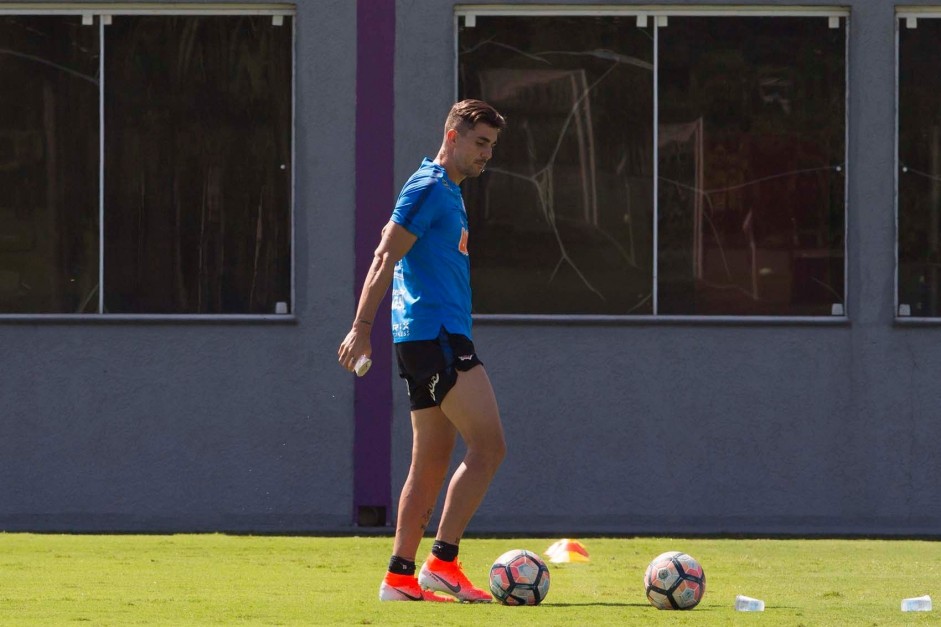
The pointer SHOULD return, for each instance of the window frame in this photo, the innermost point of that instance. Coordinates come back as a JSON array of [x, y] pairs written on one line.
[[659, 17], [905, 14], [100, 16]]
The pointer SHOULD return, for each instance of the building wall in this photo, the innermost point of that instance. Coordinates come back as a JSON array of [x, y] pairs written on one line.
[[710, 428], [643, 427], [180, 426]]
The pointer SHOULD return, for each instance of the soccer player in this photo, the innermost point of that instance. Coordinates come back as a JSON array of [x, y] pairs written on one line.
[[423, 255]]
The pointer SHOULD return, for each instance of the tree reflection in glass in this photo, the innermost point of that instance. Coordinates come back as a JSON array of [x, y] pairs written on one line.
[[561, 223], [48, 165], [198, 170], [751, 154]]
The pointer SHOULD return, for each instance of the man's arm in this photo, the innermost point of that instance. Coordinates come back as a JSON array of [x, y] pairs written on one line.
[[395, 242]]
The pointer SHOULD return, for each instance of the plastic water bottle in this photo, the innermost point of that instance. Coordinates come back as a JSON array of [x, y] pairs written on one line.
[[748, 604], [917, 604]]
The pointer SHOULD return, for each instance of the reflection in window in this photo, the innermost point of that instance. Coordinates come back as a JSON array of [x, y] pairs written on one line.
[[751, 149], [197, 192], [48, 165], [919, 179], [561, 222]]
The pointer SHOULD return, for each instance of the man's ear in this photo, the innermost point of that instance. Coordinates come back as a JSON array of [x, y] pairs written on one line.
[[451, 135]]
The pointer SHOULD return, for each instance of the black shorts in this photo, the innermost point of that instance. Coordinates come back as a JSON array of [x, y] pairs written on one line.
[[430, 367]]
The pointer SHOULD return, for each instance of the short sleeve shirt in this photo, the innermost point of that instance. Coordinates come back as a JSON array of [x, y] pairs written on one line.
[[431, 284]]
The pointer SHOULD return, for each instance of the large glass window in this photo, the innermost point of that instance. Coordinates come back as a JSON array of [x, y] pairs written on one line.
[[194, 216], [48, 164], [751, 184], [562, 220], [731, 204], [919, 161]]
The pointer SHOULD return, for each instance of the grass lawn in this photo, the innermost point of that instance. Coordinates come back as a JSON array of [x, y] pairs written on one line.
[[233, 580]]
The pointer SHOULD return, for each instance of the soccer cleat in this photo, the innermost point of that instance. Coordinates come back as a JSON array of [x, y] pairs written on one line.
[[405, 588], [447, 577]]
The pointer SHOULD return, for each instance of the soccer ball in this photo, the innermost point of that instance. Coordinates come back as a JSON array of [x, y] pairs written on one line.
[[674, 581], [519, 577]]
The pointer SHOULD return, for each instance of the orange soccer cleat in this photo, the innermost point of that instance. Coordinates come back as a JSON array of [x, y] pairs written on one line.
[[405, 588], [447, 577]]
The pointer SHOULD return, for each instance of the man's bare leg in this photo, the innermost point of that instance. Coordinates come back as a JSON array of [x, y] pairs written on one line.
[[433, 438], [472, 408]]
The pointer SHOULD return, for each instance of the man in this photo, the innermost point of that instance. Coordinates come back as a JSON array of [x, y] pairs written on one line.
[[423, 254]]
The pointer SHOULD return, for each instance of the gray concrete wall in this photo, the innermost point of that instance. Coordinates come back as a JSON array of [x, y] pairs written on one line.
[[633, 428], [710, 428], [205, 426]]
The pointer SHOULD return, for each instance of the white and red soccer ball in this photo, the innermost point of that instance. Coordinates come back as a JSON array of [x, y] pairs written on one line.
[[674, 581], [519, 577]]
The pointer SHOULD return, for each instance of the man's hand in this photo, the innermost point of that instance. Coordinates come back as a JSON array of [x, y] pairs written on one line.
[[395, 242], [355, 345]]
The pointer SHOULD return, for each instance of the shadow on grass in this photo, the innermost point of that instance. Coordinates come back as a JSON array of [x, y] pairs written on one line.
[[607, 604], [599, 604]]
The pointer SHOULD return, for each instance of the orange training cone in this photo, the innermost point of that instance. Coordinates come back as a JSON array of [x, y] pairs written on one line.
[[567, 551]]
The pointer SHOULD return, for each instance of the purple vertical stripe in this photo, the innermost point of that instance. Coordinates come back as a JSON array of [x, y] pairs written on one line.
[[375, 51]]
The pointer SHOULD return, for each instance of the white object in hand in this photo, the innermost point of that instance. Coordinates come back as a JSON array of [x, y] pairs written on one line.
[[748, 604], [362, 365], [917, 604]]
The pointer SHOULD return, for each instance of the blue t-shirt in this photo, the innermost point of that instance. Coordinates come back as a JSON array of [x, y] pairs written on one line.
[[431, 284]]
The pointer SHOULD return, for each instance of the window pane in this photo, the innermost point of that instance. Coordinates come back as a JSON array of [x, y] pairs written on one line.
[[751, 149], [561, 222], [919, 157], [198, 171], [48, 165]]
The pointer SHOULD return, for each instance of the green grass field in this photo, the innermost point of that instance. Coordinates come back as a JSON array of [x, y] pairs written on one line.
[[237, 580]]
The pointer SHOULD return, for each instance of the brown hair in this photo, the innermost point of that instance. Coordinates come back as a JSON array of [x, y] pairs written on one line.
[[466, 114]]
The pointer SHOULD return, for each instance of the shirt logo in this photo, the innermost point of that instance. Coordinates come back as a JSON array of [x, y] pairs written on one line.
[[398, 300], [462, 245]]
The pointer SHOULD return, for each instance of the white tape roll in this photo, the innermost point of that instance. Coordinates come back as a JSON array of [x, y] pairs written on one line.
[[362, 365]]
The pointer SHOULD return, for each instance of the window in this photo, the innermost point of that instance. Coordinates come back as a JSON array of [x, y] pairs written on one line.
[[659, 165], [48, 165], [561, 222], [919, 162], [146, 163]]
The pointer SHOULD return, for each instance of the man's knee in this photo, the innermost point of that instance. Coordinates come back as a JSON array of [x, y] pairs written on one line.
[[489, 452], [431, 465]]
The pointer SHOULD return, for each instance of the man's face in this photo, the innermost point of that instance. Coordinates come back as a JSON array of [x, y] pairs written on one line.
[[473, 149]]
